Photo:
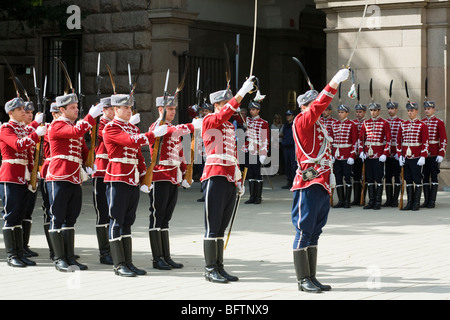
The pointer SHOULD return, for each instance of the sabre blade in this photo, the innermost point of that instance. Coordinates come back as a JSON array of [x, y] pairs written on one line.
[[98, 65], [167, 81]]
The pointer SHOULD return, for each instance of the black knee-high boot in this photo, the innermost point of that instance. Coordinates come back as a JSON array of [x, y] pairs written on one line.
[[220, 266], [118, 256], [211, 269], [157, 252], [12, 258], [165, 244], [303, 272], [312, 257]]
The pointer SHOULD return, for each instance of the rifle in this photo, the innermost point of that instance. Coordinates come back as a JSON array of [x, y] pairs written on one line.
[[363, 187], [94, 131], [236, 206], [39, 146], [133, 85], [190, 165]]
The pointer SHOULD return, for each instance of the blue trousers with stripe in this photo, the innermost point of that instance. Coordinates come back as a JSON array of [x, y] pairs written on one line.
[[65, 203], [310, 210], [163, 199]]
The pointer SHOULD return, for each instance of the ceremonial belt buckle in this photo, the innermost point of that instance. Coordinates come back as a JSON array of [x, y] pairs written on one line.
[[309, 174]]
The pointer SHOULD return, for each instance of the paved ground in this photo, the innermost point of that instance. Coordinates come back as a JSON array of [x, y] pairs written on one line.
[[364, 254]]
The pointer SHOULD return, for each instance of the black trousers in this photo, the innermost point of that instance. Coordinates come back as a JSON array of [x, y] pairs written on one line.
[[392, 171], [357, 170], [412, 172], [30, 200], [220, 198], [100, 201], [374, 170], [431, 170], [45, 202], [163, 199], [13, 199], [65, 204], [342, 172], [123, 201], [253, 166]]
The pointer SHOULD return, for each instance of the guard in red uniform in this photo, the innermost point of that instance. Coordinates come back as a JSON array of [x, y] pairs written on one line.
[[65, 175], [221, 177], [312, 185], [412, 150], [124, 172], [168, 175], [15, 145], [345, 138], [46, 156], [31, 196], [437, 138], [360, 111], [256, 148], [99, 187], [392, 167], [375, 137]]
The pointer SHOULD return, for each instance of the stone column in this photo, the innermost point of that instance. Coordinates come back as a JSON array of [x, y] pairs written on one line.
[[170, 39]]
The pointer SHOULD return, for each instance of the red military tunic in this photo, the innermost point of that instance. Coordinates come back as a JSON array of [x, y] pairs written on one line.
[[101, 154], [437, 136], [220, 144], [257, 142], [412, 139], [345, 139], [375, 137], [394, 125], [68, 149], [172, 164], [15, 145], [328, 122], [123, 142], [310, 134]]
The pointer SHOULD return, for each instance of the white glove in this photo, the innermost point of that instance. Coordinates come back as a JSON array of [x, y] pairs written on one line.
[[396, 157], [439, 159], [197, 123], [421, 161], [363, 156], [262, 159], [246, 87], [350, 161], [90, 171], [341, 75], [382, 158], [160, 130], [144, 188], [39, 117], [401, 161], [241, 188], [41, 130], [97, 110], [333, 159], [185, 184], [135, 119]]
